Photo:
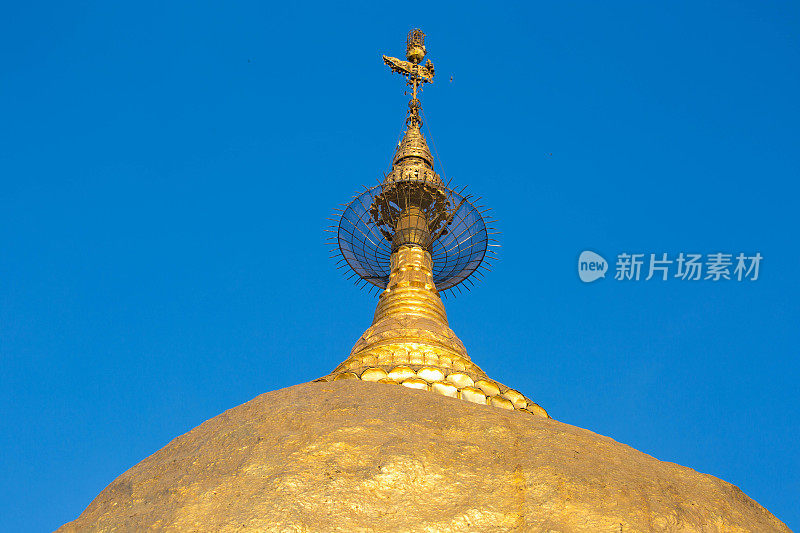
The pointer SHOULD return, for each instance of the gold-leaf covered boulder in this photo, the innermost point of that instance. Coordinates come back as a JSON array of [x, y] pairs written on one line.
[[358, 456]]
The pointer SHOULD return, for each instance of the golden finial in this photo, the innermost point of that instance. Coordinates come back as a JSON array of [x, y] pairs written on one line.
[[415, 46], [413, 206], [416, 75]]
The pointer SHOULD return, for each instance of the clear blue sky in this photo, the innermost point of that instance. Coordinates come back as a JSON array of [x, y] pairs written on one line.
[[166, 169]]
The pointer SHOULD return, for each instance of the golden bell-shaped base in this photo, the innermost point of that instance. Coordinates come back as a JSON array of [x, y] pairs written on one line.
[[410, 342]]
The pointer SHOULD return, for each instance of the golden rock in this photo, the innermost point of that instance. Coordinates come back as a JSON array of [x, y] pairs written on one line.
[[408, 434], [354, 456]]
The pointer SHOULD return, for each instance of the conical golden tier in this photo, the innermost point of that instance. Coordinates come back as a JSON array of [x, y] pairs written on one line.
[[412, 161], [410, 342]]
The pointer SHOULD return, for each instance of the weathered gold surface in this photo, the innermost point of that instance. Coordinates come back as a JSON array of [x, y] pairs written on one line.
[[411, 343], [352, 456]]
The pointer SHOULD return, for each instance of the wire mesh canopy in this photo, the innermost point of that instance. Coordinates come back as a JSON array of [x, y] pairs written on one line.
[[457, 241]]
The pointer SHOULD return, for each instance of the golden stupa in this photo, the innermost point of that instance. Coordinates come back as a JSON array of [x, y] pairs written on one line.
[[408, 434]]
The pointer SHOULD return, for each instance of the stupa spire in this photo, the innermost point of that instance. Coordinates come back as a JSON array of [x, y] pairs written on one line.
[[412, 236]]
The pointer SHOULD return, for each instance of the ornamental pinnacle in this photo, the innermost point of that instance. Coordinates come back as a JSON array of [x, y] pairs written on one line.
[[412, 236]]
